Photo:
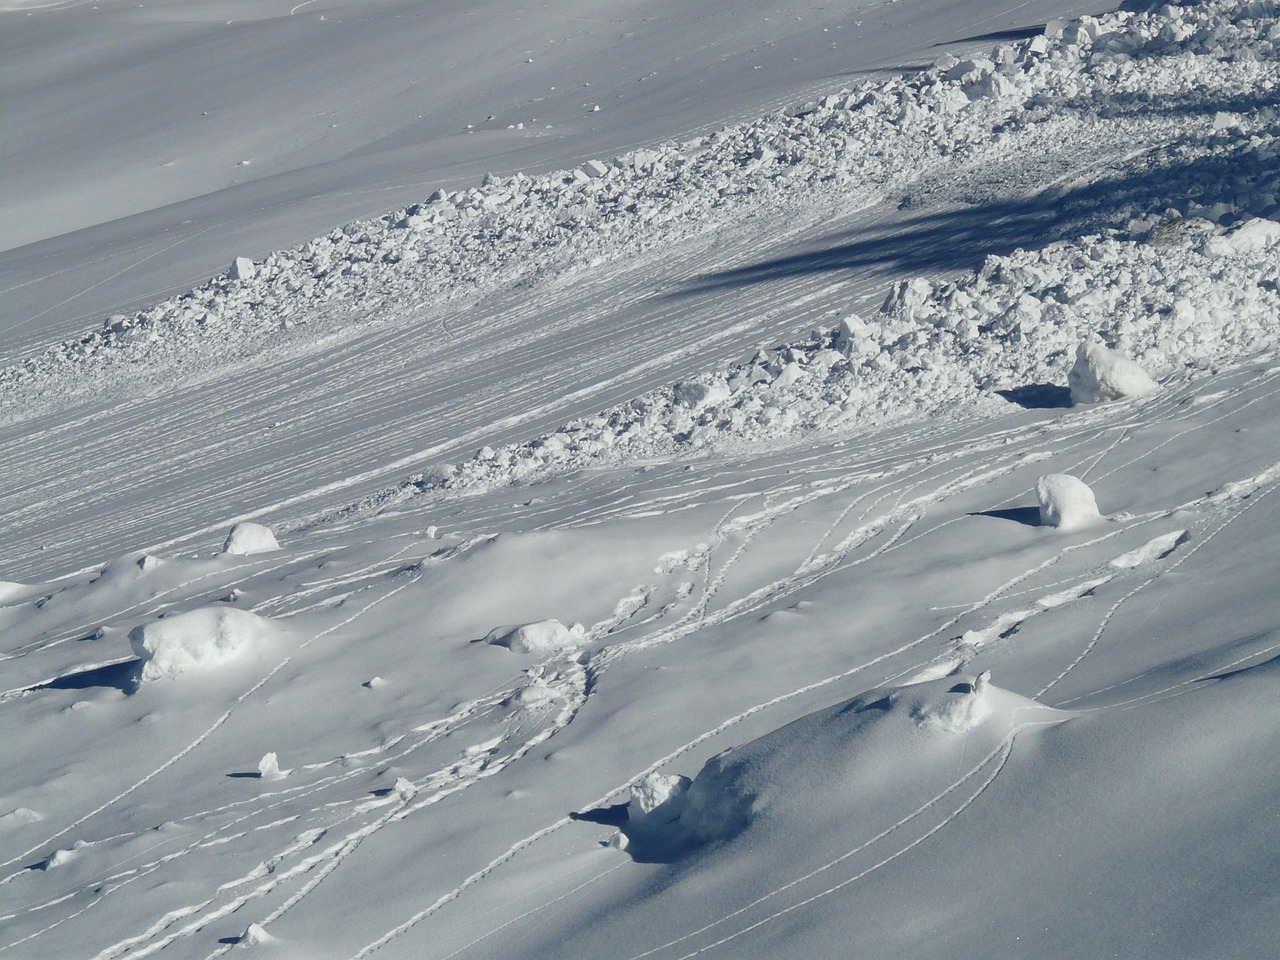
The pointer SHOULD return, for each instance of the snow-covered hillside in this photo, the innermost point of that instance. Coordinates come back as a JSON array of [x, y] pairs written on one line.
[[844, 532]]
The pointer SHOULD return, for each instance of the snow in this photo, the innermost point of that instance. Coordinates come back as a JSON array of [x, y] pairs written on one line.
[[1099, 375], [246, 539], [1066, 502], [537, 637], [792, 399], [196, 641]]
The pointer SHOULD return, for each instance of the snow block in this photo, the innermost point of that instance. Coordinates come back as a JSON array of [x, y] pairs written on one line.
[[200, 639], [246, 539], [1065, 502], [1100, 374], [537, 637]]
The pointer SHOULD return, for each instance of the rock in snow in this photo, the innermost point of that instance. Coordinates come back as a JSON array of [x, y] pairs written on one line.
[[1100, 374], [196, 640], [246, 539], [536, 637], [1065, 502]]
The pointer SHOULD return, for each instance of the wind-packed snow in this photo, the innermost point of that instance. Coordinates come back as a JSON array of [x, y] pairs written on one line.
[[846, 533]]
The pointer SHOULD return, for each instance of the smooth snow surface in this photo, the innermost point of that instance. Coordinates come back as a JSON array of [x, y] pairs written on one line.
[[688, 547]]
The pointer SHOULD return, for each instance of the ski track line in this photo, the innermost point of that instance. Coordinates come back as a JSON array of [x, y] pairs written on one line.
[[538, 909], [1253, 499], [455, 778], [202, 737], [1004, 747], [436, 731], [889, 859]]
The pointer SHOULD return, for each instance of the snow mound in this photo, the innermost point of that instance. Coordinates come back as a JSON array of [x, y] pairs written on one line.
[[196, 640], [1066, 502], [1100, 374], [538, 637], [12, 593], [246, 539], [818, 775]]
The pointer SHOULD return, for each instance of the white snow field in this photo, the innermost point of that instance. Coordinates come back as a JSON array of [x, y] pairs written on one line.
[[849, 531]]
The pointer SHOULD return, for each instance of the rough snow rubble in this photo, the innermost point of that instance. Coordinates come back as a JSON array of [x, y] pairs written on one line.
[[1157, 295], [872, 140]]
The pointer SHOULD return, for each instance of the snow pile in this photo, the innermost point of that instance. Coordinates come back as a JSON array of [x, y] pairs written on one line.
[[539, 637], [197, 640], [1066, 502], [1100, 374], [880, 138], [246, 539]]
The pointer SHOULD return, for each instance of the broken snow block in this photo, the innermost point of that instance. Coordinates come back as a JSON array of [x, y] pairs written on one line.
[[1100, 374], [594, 168]]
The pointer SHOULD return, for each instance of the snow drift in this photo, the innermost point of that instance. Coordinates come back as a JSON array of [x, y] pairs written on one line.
[[830, 774]]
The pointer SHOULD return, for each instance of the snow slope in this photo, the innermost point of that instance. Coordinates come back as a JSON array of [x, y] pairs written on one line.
[[656, 562]]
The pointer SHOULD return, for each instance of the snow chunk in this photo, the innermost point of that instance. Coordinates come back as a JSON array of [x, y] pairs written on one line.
[[658, 790], [1254, 236], [542, 635], [269, 768], [246, 539], [698, 394], [196, 640], [242, 268], [1065, 502], [1100, 374]]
